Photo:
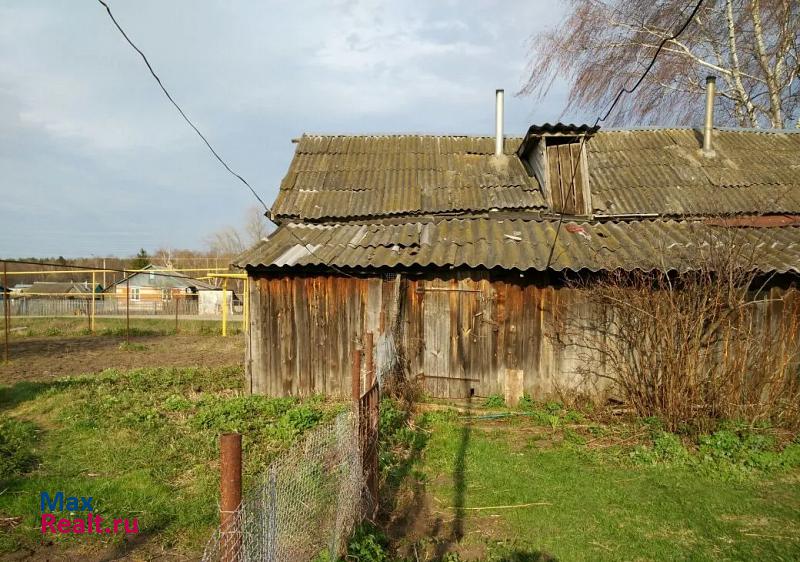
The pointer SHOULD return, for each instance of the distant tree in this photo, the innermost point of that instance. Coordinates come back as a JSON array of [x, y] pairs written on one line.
[[230, 241], [226, 242], [141, 260], [752, 46], [256, 227]]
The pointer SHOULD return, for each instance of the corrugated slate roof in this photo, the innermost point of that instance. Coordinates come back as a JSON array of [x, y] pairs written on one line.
[[662, 172], [57, 287], [651, 171], [561, 129], [341, 193], [522, 245], [366, 176]]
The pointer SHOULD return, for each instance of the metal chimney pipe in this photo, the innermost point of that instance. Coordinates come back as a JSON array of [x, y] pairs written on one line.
[[498, 118], [708, 126]]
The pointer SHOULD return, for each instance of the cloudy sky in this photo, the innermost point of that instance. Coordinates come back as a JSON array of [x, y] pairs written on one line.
[[94, 160]]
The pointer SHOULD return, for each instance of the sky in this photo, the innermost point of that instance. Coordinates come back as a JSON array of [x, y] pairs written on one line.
[[94, 160]]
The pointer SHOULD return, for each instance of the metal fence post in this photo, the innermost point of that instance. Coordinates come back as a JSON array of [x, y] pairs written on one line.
[[246, 305], [128, 310], [230, 484], [177, 299], [272, 531], [6, 309], [91, 326], [225, 307]]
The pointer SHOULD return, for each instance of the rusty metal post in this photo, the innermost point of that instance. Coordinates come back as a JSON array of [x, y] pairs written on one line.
[[230, 493], [356, 377], [6, 309], [127, 310], [177, 298], [370, 359]]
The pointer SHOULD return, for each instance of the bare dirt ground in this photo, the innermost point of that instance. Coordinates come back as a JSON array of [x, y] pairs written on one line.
[[44, 358]]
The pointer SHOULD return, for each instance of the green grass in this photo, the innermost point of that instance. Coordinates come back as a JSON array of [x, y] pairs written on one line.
[[78, 326], [626, 502], [142, 443]]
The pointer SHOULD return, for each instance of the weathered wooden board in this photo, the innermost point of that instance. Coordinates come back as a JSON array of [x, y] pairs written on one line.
[[459, 332]]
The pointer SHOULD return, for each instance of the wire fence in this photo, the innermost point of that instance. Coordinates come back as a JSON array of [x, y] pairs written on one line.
[[304, 505]]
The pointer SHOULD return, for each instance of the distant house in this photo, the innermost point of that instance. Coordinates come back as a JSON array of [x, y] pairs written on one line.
[[59, 289], [152, 288]]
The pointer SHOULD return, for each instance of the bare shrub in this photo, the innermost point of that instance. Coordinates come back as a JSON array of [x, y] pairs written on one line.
[[695, 346]]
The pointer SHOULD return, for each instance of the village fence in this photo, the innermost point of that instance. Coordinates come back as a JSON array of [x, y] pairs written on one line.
[[55, 307], [32, 311], [306, 503]]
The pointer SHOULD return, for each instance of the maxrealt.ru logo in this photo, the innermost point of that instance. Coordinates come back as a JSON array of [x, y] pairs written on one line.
[[89, 523]]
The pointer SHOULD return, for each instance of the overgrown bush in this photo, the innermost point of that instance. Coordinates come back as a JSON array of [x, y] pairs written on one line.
[[696, 347]]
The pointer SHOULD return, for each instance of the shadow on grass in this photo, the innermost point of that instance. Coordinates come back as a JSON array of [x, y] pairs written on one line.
[[133, 543], [56, 347], [459, 487], [136, 545], [407, 515], [24, 391]]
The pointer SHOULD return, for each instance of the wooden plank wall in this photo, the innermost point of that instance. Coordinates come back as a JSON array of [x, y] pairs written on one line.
[[459, 332]]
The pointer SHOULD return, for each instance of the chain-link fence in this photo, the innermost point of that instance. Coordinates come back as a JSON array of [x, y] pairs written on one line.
[[305, 504]]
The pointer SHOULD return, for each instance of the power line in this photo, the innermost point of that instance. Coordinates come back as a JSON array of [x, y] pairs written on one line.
[[211, 148], [622, 91], [652, 62], [185, 118]]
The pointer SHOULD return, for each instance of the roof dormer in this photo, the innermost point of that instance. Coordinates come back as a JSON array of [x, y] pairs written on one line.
[[556, 156]]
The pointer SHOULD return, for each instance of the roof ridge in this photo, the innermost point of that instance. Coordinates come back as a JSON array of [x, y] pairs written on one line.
[[634, 128], [396, 135], [656, 128]]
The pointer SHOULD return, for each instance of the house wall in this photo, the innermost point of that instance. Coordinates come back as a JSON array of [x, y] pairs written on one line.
[[150, 298], [459, 332]]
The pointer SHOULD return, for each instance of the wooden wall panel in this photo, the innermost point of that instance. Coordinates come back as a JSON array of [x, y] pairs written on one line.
[[458, 331]]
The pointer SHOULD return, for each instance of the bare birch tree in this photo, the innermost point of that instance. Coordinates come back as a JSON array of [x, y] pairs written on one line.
[[752, 47]]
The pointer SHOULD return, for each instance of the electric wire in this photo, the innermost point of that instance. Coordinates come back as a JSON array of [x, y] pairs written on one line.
[[208, 144], [185, 117]]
